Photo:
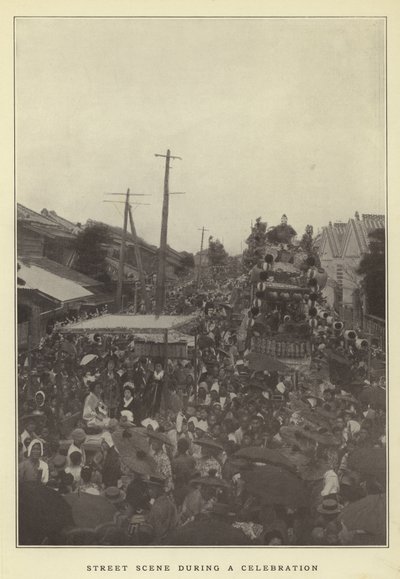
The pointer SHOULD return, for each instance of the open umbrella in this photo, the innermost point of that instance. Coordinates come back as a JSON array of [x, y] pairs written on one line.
[[368, 514], [128, 442], [368, 461], [89, 511], [87, 359], [264, 455], [374, 395], [314, 471], [208, 531], [223, 352], [277, 486], [42, 514], [204, 341], [261, 362], [313, 418], [210, 481], [294, 456]]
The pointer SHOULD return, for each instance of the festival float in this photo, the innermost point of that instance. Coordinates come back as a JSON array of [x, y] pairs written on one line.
[[286, 284]]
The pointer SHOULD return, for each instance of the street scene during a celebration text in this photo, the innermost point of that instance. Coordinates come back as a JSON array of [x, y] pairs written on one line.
[[229, 392]]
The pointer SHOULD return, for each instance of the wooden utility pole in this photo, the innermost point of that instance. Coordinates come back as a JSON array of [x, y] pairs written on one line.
[[162, 255], [121, 269], [139, 262], [201, 255]]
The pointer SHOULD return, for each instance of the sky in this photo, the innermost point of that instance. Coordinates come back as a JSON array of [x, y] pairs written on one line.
[[270, 116]]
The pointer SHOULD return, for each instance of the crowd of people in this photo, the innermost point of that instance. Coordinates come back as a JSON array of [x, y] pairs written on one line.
[[210, 450]]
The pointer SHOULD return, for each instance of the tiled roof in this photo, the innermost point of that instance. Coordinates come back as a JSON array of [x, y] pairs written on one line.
[[40, 223], [364, 227]]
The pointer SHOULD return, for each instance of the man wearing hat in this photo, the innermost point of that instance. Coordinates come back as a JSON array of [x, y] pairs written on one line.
[[329, 510], [163, 516], [78, 438]]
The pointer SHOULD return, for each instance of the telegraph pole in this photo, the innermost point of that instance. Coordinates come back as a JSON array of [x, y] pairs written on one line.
[[201, 254], [121, 268], [162, 256], [139, 262]]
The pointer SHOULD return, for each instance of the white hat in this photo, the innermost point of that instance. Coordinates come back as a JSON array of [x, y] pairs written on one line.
[[281, 387], [128, 415], [149, 422]]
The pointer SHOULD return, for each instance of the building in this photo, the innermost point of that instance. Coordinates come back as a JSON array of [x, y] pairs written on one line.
[[47, 286], [149, 255], [342, 245]]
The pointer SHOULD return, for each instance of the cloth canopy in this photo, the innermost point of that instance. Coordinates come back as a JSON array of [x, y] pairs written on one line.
[[128, 323]]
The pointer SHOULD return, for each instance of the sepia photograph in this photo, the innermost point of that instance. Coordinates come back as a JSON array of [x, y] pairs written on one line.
[[200, 280]]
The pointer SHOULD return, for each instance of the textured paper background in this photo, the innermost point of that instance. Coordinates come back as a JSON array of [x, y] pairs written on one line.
[[46, 563]]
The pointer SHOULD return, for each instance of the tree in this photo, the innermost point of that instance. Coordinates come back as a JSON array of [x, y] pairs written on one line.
[[216, 252], [372, 268], [186, 265], [90, 246], [282, 233], [255, 244], [306, 242]]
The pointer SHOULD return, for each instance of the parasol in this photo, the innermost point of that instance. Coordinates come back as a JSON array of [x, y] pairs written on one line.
[[208, 531], [368, 461], [297, 458], [261, 362], [204, 341], [374, 395], [292, 436], [277, 486], [210, 481], [87, 359], [89, 511], [368, 514], [129, 440], [264, 455], [42, 514], [313, 418], [314, 471]]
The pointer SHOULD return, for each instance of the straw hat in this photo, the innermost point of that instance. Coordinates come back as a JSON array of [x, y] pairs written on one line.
[[114, 495], [329, 507]]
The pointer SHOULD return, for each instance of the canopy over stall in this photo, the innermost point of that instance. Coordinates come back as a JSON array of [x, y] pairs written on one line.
[[130, 323], [149, 327]]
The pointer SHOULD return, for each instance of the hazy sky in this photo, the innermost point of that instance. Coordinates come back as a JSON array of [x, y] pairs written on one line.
[[270, 116]]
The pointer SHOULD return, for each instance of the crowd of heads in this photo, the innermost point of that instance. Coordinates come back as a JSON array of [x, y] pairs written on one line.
[[193, 449]]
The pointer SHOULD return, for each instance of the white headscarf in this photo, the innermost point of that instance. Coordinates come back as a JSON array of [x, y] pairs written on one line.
[[32, 444]]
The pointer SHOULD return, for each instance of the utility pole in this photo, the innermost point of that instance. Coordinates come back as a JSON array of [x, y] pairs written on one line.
[[201, 254], [162, 256], [139, 262], [121, 268]]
